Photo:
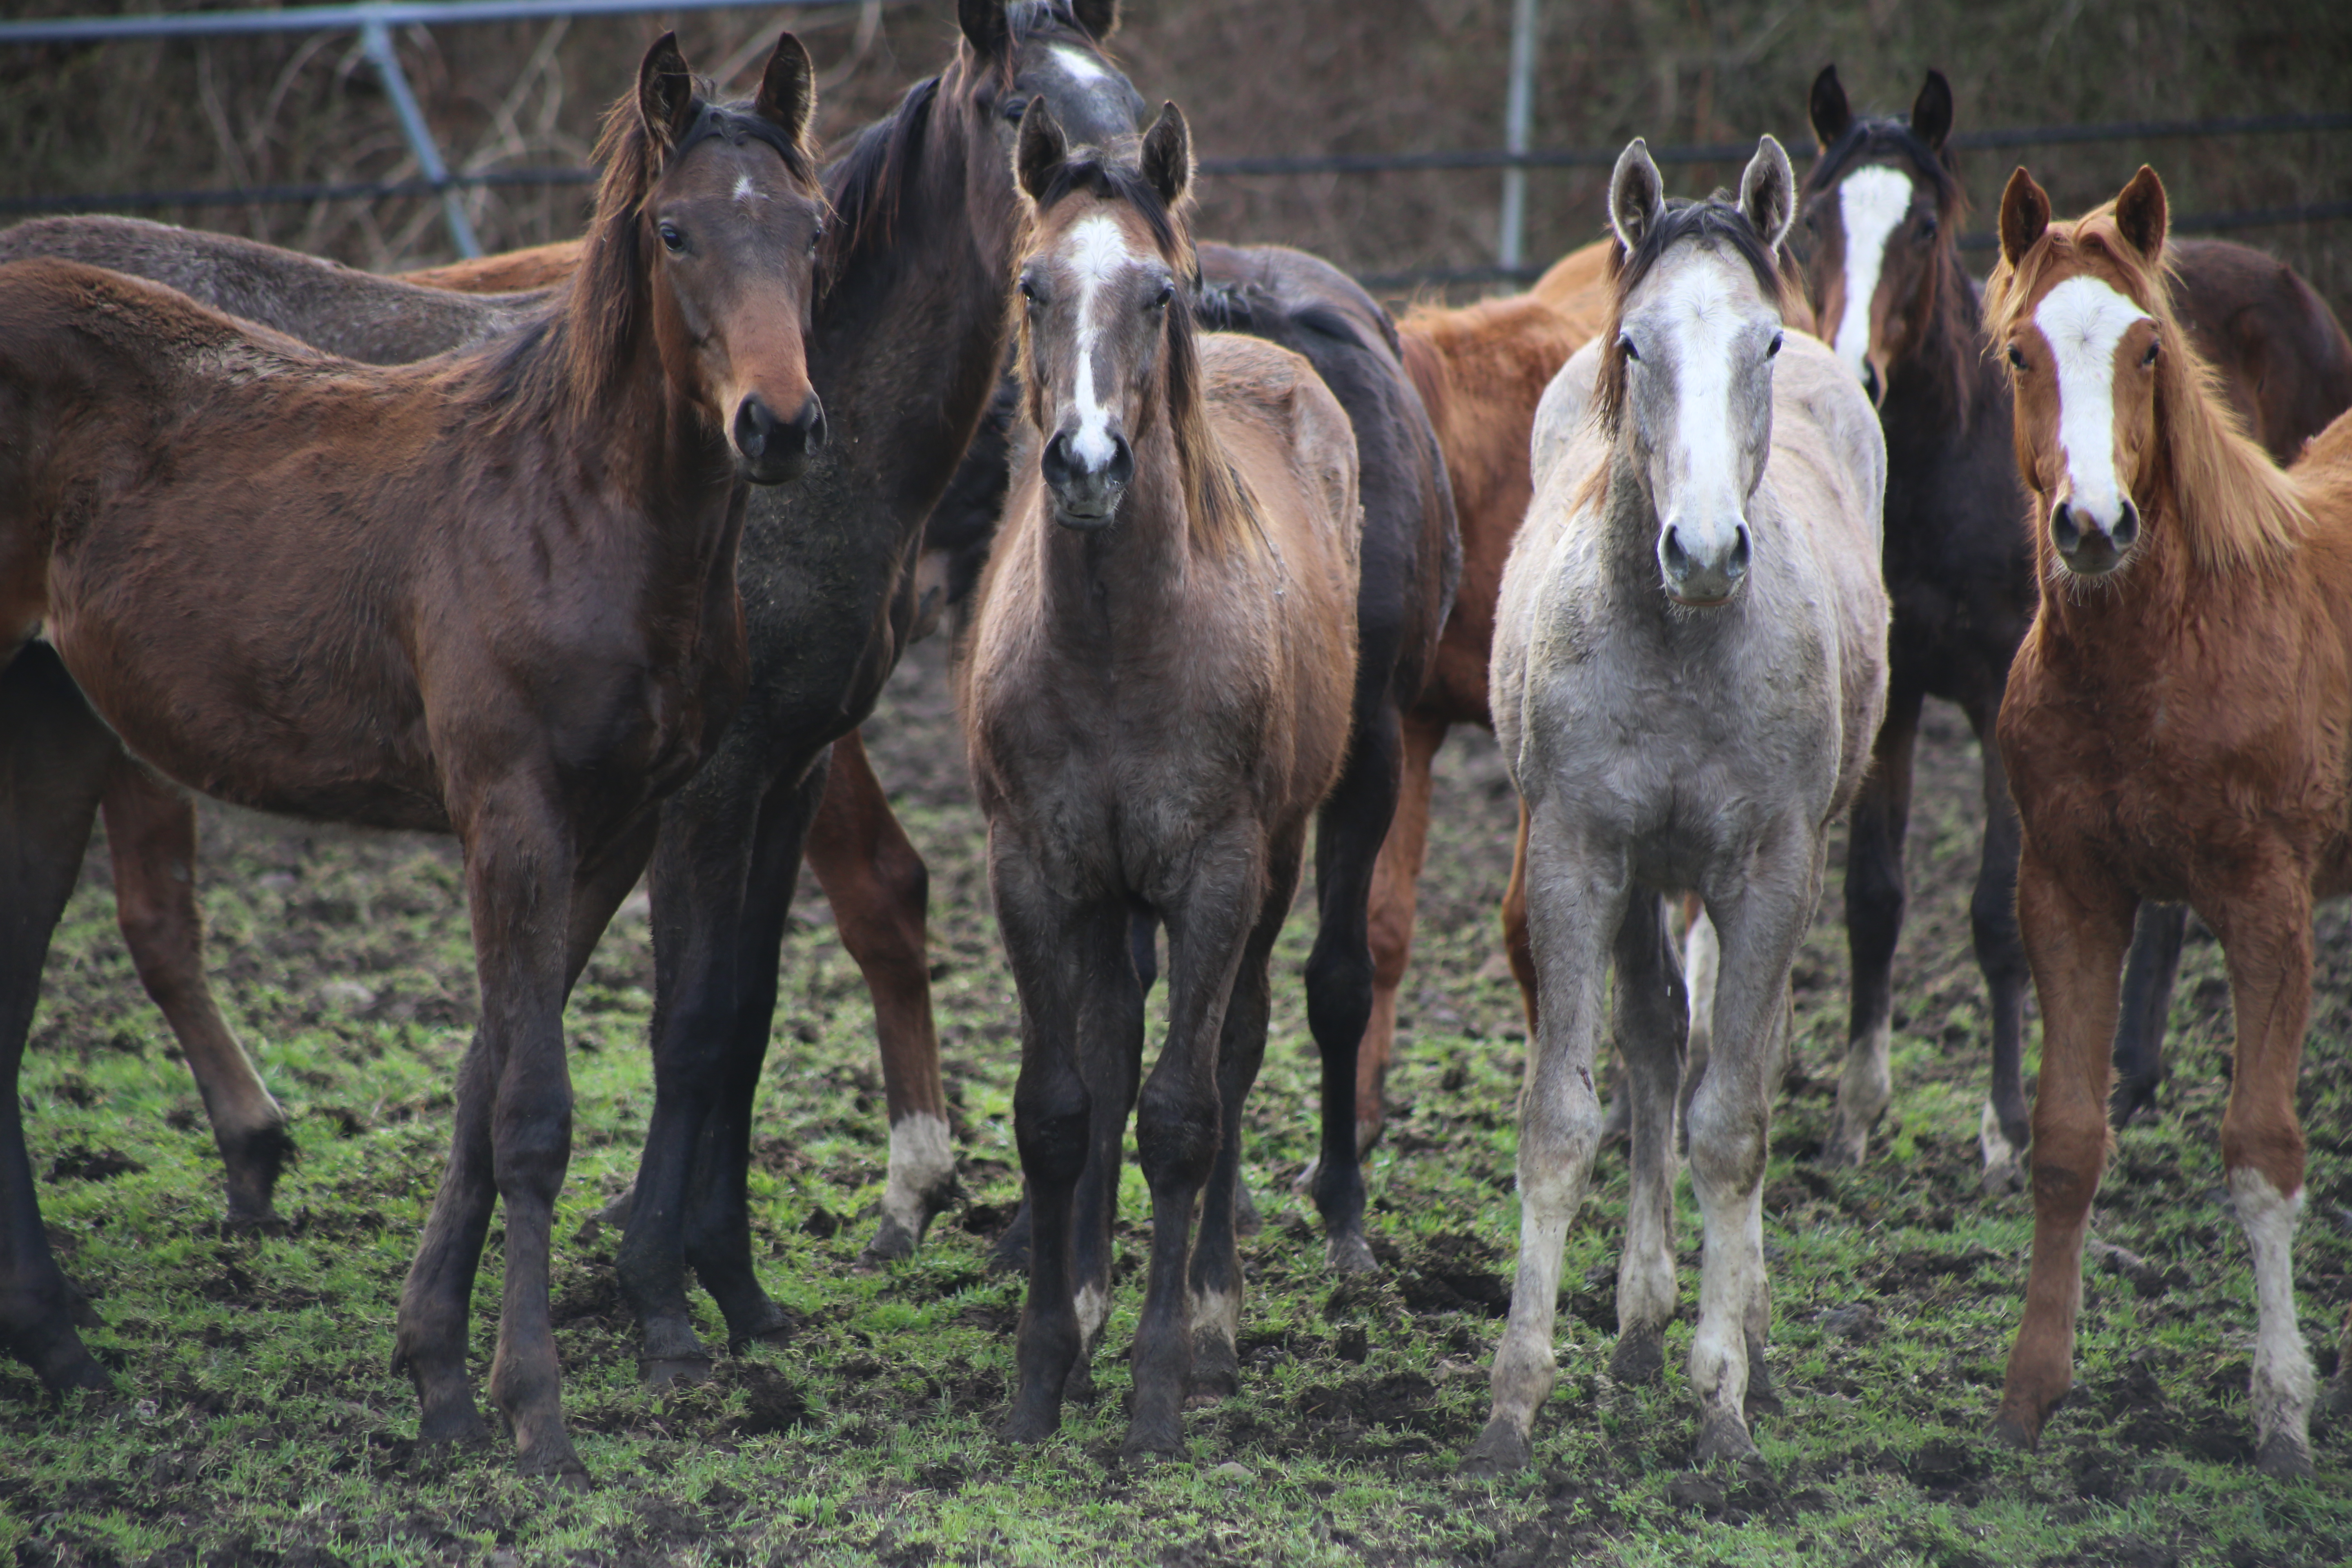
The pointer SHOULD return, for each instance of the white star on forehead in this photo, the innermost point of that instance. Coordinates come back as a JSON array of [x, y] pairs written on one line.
[[743, 191]]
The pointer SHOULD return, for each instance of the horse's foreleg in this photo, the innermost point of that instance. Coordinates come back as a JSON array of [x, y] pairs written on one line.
[[1874, 922], [2267, 939], [514, 1105], [2076, 931], [2149, 974], [54, 757], [1578, 897], [2000, 956], [1216, 1273], [701, 874], [1396, 879], [1177, 1119], [1110, 1059], [151, 834], [1352, 826], [1058, 953], [879, 888], [717, 1222], [1652, 1015], [1759, 913]]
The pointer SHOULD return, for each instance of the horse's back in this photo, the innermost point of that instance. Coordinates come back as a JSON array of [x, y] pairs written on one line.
[[2282, 356], [1288, 435]]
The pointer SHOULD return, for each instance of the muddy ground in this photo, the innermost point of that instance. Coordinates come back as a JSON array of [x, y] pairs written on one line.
[[254, 1420]]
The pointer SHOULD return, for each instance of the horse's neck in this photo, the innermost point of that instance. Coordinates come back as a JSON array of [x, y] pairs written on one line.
[[1947, 379]]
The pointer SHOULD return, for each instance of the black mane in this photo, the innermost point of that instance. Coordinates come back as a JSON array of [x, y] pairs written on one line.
[[1886, 139]]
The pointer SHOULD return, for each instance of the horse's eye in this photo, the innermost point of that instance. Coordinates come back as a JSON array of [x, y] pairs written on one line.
[[1626, 345], [1029, 293], [1813, 223], [1014, 108], [1773, 351], [671, 237], [2148, 358], [1160, 300], [816, 238], [2017, 356], [1928, 226]]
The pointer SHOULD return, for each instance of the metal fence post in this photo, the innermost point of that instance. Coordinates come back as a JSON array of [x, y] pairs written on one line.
[[1518, 118], [375, 41]]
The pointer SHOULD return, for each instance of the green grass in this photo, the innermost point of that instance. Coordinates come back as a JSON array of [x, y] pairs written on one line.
[[254, 1414]]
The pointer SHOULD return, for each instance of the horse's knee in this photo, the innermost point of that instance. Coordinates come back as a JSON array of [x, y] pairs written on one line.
[[1176, 1133], [1050, 1126], [1339, 994], [1556, 1143], [1726, 1140]]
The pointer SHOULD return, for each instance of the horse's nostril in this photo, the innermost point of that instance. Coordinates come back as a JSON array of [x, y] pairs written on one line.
[[1871, 385], [1121, 467], [808, 426], [1054, 464], [1677, 559], [1738, 564], [2126, 528], [2064, 533], [754, 425]]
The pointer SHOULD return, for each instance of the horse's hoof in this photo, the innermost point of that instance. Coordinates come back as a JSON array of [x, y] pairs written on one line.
[[892, 1243], [658, 1372], [1079, 1386], [1724, 1437], [1842, 1149], [1349, 1253], [1501, 1449], [457, 1426], [1640, 1357], [1028, 1427], [1216, 1374], [2284, 1458], [554, 1460], [2129, 1103], [2334, 1399], [1010, 1253], [2010, 1433], [74, 1371], [2001, 1179], [1150, 1439]]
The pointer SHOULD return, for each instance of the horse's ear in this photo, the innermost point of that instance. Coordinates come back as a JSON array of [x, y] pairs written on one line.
[[1637, 197], [1098, 17], [2024, 214], [1168, 154], [1767, 192], [1931, 111], [1042, 149], [1831, 114], [984, 26], [788, 89], [665, 92], [2141, 215]]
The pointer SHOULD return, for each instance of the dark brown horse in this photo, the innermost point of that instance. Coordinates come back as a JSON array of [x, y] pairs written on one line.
[[2177, 727], [491, 595], [1157, 701], [911, 296], [1883, 205]]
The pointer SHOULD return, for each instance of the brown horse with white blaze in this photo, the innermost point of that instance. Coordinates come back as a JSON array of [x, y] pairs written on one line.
[[492, 595], [1157, 699], [2175, 728]]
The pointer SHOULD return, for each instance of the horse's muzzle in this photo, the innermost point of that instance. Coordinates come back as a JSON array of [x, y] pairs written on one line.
[[2087, 548], [1705, 575], [1086, 497], [773, 450]]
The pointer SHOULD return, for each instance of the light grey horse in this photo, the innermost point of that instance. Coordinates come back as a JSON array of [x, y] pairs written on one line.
[[1689, 664]]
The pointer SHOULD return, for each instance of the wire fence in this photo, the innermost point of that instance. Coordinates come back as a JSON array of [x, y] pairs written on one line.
[[436, 181]]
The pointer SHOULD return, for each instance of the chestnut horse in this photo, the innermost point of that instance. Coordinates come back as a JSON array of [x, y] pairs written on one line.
[[2176, 728], [1883, 206], [491, 595], [1155, 702], [1689, 662]]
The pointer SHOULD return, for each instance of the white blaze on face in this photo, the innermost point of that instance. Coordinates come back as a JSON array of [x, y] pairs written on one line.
[[1094, 251], [1703, 316], [1082, 65], [2082, 320], [1871, 203]]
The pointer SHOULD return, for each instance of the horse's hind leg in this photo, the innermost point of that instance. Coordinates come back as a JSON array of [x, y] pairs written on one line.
[[53, 756], [2000, 954], [1576, 899], [1396, 878], [2267, 938], [2076, 932], [1353, 823], [1216, 1276], [1653, 1013], [151, 833], [879, 888], [2149, 974], [1874, 922]]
